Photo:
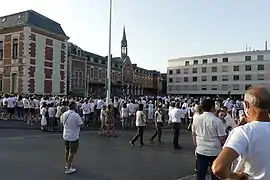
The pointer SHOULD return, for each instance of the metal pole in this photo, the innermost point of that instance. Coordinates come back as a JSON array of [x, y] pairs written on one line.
[[108, 99]]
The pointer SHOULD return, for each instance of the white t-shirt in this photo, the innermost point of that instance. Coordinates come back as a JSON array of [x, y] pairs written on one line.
[[131, 108], [86, 108], [92, 107], [71, 122], [208, 128], [25, 103], [124, 112], [100, 103], [10, 102], [51, 112], [251, 142]]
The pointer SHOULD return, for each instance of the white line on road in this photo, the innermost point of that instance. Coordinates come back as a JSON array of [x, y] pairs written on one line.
[[38, 136]]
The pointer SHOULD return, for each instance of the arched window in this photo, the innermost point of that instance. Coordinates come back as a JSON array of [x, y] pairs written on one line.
[[14, 83]]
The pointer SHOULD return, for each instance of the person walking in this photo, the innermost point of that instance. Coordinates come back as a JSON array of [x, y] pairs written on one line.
[[71, 123], [249, 142], [175, 118], [140, 123], [158, 125]]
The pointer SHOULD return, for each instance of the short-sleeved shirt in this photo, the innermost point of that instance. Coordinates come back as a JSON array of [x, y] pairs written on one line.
[[251, 142], [208, 128], [71, 122]]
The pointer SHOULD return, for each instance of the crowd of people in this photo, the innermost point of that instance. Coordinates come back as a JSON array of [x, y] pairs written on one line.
[[239, 126]]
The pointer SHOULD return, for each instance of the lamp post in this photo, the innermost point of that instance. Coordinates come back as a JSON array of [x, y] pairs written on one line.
[[108, 80]]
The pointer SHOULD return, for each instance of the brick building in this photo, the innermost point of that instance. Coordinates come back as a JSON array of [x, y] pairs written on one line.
[[87, 72], [33, 56]]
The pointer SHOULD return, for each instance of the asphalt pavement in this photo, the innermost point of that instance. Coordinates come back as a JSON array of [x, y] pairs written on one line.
[[35, 155]]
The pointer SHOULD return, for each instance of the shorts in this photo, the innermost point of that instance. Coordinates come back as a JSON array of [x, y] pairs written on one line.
[[72, 146], [26, 110], [32, 110], [10, 110]]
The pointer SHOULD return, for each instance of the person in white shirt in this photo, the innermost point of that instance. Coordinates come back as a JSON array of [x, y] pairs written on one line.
[[132, 111], [92, 108], [175, 118], [140, 123], [99, 105], [150, 111], [250, 142], [158, 125], [86, 112], [71, 123], [51, 114], [230, 121], [43, 113], [208, 136], [124, 116], [19, 105], [10, 106]]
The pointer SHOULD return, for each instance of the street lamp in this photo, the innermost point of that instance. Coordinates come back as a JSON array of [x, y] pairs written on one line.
[[108, 80]]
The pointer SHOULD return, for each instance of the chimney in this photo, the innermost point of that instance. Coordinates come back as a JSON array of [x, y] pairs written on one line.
[[266, 45], [246, 48]]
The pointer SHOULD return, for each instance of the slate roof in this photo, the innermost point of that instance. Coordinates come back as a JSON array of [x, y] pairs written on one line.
[[31, 18]]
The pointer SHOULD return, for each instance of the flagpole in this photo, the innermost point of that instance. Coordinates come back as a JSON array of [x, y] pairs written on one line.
[[108, 80]]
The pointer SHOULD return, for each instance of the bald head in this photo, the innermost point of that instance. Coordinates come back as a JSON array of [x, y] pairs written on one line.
[[258, 97]]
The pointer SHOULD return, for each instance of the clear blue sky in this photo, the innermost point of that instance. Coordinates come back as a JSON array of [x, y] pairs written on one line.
[[158, 30]]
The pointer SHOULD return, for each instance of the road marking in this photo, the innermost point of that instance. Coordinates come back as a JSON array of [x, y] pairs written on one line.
[[188, 177], [39, 136]]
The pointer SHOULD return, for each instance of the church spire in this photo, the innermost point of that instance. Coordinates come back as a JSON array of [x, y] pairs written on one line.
[[124, 38], [124, 49]]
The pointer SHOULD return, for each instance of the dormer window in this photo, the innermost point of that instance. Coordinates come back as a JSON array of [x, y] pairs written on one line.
[[3, 20], [19, 17], [79, 52]]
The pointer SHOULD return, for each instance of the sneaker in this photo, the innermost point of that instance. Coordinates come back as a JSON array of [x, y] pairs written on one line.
[[131, 144], [70, 171]]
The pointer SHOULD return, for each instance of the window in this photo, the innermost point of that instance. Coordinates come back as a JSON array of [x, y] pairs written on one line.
[[225, 60], [204, 88], [248, 77], [14, 83], [177, 79], [91, 73], [214, 69], [236, 87], [236, 78], [186, 63], [248, 68], [261, 77], [195, 62], [194, 70], [204, 69], [170, 79], [186, 71], [235, 68], [99, 74], [214, 88], [214, 78], [260, 57], [214, 60], [177, 71], [170, 72], [225, 87], [247, 58], [194, 79], [247, 86], [204, 78], [224, 68], [225, 78], [204, 61], [260, 67], [185, 79], [1, 50], [15, 47]]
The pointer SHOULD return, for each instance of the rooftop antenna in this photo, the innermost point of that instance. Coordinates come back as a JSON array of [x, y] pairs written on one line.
[[246, 48], [265, 45]]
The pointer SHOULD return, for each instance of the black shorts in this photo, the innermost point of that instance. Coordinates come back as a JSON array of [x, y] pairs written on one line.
[[32, 110], [72, 146], [10, 110], [26, 110]]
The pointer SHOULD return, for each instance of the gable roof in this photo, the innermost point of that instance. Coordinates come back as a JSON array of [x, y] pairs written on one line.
[[31, 18]]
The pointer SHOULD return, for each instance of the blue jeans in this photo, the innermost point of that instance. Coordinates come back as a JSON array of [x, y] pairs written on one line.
[[203, 163]]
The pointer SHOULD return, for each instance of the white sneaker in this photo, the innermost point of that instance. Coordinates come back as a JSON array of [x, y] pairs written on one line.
[[70, 171]]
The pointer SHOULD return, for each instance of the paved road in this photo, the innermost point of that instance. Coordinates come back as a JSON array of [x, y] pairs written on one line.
[[35, 155]]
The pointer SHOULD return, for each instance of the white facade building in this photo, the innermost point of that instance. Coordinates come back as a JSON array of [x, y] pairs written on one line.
[[218, 73]]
